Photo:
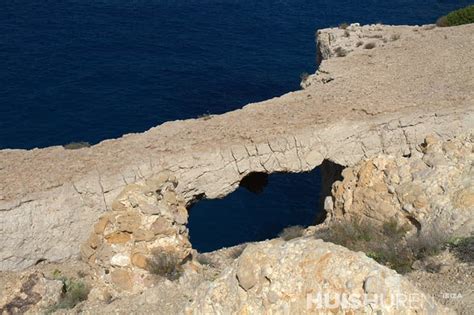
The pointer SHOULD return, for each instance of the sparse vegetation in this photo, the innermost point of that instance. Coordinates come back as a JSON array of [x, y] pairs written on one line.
[[340, 52], [343, 26], [205, 116], [304, 76], [204, 259], [389, 244], [76, 145], [291, 232], [165, 264], [74, 292], [458, 17], [463, 248], [369, 45], [395, 37], [237, 251]]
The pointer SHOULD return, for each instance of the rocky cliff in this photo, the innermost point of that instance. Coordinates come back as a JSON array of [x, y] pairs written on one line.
[[384, 97]]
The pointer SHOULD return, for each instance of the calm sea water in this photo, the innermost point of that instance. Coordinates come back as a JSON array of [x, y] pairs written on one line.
[[88, 70]]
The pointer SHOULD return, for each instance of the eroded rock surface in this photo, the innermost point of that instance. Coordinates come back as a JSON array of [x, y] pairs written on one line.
[[148, 220], [433, 189], [385, 99], [294, 277]]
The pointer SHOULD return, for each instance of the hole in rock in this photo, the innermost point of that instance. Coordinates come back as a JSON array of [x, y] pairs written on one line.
[[262, 207]]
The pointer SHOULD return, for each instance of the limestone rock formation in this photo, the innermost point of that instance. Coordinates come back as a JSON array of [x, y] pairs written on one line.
[[29, 293], [147, 219], [381, 100], [304, 276], [433, 189]]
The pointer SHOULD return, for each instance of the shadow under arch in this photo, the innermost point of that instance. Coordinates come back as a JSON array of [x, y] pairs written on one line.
[[262, 206]]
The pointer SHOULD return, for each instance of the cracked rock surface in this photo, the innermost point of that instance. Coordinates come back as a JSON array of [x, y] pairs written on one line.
[[385, 99], [432, 190]]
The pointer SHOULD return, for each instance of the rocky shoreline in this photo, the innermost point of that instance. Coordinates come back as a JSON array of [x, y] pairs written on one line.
[[398, 114]]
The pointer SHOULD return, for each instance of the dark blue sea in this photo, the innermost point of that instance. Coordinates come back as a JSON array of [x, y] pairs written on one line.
[[88, 70]]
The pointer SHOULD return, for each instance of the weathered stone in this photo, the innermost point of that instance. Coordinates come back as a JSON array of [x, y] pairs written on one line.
[[161, 226], [170, 197], [118, 237], [181, 215], [104, 254], [121, 279], [117, 205], [93, 241], [374, 284], [86, 252], [247, 271], [425, 197], [201, 152], [143, 235], [140, 260], [120, 260], [129, 222], [305, 267], [464, 198], [100, 226]]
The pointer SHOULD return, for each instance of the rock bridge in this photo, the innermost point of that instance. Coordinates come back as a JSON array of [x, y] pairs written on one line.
[[386, 99]]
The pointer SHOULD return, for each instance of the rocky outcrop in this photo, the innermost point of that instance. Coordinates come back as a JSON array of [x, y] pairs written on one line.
[[148, 220], [431, 190], [304, 276], [385, 99], [29, 293]]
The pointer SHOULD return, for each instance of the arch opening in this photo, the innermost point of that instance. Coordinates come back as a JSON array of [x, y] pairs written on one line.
[[261, 207]]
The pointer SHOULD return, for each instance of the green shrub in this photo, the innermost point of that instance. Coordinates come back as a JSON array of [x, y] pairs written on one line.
[[394, 37], [340, 52], [370, 45], [304, 76], [343, 26], [291, 232], [458, 17], [388, 244], [236, 251], [76, 145], [165, 264], [463, 248], [74, 292], [205, 116]]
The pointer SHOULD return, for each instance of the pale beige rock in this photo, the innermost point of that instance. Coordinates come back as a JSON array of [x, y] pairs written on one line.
[[384, 99], [294, 277], [122, 279], [435, 196], [30, 293]]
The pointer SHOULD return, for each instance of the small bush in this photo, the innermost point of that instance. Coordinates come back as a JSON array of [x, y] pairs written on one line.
[[291, 232], [370, 45], [463, 248], [237, 251], [392, 229], [395, 37], [76, 145], [427, 244], [205, 116], [304, 76], [74, 292], [343, 26], [205, 260], [347, 33], [388, 244], [165, 264], [340, 52], [359, 43], [458, 17]]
